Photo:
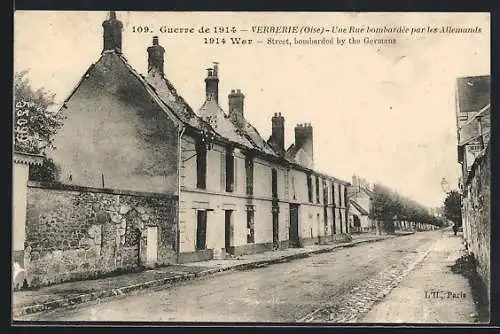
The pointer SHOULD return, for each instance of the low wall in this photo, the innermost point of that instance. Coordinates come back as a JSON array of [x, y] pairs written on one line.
[[476, 214], [82, 233]]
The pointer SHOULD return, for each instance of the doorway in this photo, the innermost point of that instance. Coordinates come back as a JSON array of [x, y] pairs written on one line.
[[275, 230], [152, 245], [293, 236], [228, 231], [201, 230]]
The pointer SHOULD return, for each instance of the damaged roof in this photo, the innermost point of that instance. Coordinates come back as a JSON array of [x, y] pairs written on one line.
[[212, 113], [358, 207], [211, 117], [257, 139]]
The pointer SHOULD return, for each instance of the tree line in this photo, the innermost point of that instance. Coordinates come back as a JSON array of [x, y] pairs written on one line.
[[388, 206]]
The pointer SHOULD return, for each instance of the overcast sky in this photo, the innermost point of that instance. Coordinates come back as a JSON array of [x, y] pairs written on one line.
[[386, 113]]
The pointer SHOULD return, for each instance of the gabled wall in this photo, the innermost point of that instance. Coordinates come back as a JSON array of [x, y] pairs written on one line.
[[114, 130]]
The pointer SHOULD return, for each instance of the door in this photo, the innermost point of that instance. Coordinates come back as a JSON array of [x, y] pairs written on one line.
[[152, 245], [201, 230], [228, 231], [325, 220], [275, 230], [294, 226], [318, 227], [334, 227]]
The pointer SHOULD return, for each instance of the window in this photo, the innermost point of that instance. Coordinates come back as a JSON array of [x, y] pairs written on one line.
[[293, 187], [325, 193], [201, 166], [340, 195], [333, 195], [249, 175], [317, 189], [274, 182], [201, 230], [334, 228], [229, 169], [309, 188], [345, 196], [340, 216], [250, 226]]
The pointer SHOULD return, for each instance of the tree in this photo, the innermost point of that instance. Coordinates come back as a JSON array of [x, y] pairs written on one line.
[[453, 207], [389, 206], [384, 206], [34, 124]]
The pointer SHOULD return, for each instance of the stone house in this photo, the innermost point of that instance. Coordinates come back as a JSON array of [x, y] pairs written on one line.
[[360, 203], [473, 132], [144, 180]]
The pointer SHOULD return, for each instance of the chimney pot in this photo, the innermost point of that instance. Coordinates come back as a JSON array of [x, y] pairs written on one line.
[[156, 54], [236, 106], [212, 84], [278, 132], [279, 114], [112, 34], [304, 138]]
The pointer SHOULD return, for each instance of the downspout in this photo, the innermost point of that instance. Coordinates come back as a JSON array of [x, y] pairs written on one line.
[[182, 129]]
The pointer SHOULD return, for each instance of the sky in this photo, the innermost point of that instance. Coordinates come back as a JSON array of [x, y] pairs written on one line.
[[383, 112]]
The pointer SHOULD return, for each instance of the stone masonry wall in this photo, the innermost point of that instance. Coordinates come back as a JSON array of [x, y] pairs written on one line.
[[82, 233], [476, 211]]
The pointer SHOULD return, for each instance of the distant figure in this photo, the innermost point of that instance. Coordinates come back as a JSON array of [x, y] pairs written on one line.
[[455, 229]]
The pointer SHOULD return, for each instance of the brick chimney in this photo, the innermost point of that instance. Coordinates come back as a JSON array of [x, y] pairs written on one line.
[[278, 131], [212, 84], [112, 33], [156, 54], [236, 99], [304, 138]]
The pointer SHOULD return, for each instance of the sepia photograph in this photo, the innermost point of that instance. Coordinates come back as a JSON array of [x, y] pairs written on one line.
[[251, 167]]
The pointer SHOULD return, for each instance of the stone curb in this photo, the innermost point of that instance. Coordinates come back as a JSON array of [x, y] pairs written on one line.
[[84, 298]]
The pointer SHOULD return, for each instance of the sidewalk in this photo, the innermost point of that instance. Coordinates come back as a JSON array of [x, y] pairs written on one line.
[[431, 292], [72, 293]]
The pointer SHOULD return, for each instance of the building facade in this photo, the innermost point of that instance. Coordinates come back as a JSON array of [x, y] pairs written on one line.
[[144, 180]]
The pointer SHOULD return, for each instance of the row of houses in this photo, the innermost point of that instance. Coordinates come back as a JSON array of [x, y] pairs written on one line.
[[474, 154], [145, 180]]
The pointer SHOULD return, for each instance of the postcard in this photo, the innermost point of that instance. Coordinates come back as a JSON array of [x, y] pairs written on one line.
[[251, 167]]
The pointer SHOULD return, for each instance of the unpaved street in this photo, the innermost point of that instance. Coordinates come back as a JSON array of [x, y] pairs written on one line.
[[284, 292]]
